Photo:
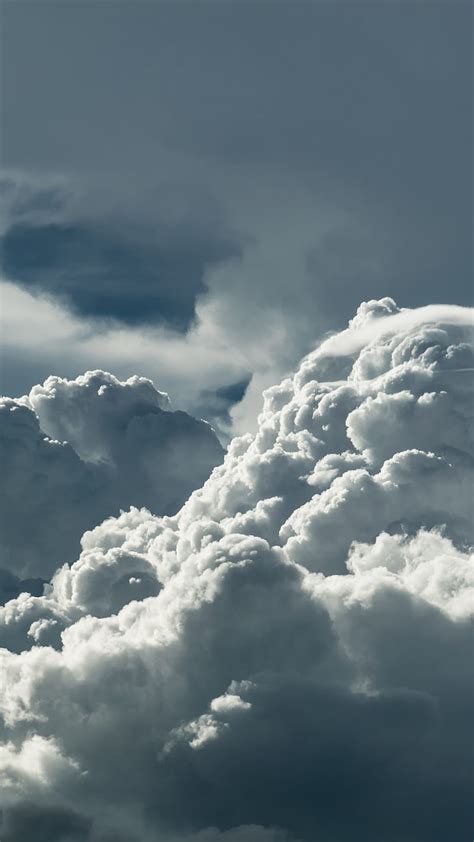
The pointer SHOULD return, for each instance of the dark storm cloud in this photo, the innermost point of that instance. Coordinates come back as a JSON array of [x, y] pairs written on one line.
[[103, 270]]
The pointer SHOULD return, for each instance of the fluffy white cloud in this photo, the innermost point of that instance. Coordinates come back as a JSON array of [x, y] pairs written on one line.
[[93, 409], [286, 658], [75, 451]]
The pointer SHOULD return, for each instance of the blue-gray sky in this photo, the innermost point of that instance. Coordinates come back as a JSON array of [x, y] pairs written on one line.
[[234, 177]]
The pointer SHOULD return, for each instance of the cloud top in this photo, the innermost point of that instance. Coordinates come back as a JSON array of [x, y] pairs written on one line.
[[75, 451]]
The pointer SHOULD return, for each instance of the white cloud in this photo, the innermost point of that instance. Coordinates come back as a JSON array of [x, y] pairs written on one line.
[[75, 451], [302, 669]]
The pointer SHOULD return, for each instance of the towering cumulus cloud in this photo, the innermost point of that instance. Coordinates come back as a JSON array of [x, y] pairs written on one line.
[[286, 658], [75, 451]]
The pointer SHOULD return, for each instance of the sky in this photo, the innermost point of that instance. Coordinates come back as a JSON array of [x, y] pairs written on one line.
[[236, 431], [197, 192]]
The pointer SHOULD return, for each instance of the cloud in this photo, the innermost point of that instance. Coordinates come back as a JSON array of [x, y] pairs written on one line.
[[217, 405], [201, 361], [303, 129], [256, 312], [108, 268], [76, 451], [296, 662]]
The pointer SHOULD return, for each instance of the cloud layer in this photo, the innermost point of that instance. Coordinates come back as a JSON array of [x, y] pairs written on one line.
[[287, 657]]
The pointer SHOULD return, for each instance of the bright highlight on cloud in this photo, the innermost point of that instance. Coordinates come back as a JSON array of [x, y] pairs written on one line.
[[289, 656]]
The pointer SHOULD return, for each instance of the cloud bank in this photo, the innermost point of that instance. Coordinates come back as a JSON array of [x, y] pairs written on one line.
[[286, 658]]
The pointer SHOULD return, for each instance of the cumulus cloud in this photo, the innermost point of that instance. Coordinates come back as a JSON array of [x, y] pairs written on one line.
[[288, 656], [75, 451]]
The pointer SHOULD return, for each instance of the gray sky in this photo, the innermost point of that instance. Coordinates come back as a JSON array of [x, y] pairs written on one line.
[[226, 181]]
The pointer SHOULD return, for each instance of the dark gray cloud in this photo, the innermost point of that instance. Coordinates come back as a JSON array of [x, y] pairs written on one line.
[[107, 269], [373, 92], [366, 106]]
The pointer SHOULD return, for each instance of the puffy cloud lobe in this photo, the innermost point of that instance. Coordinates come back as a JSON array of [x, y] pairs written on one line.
[[75, 451], [288, 656], [88, 411], [412, 489]]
